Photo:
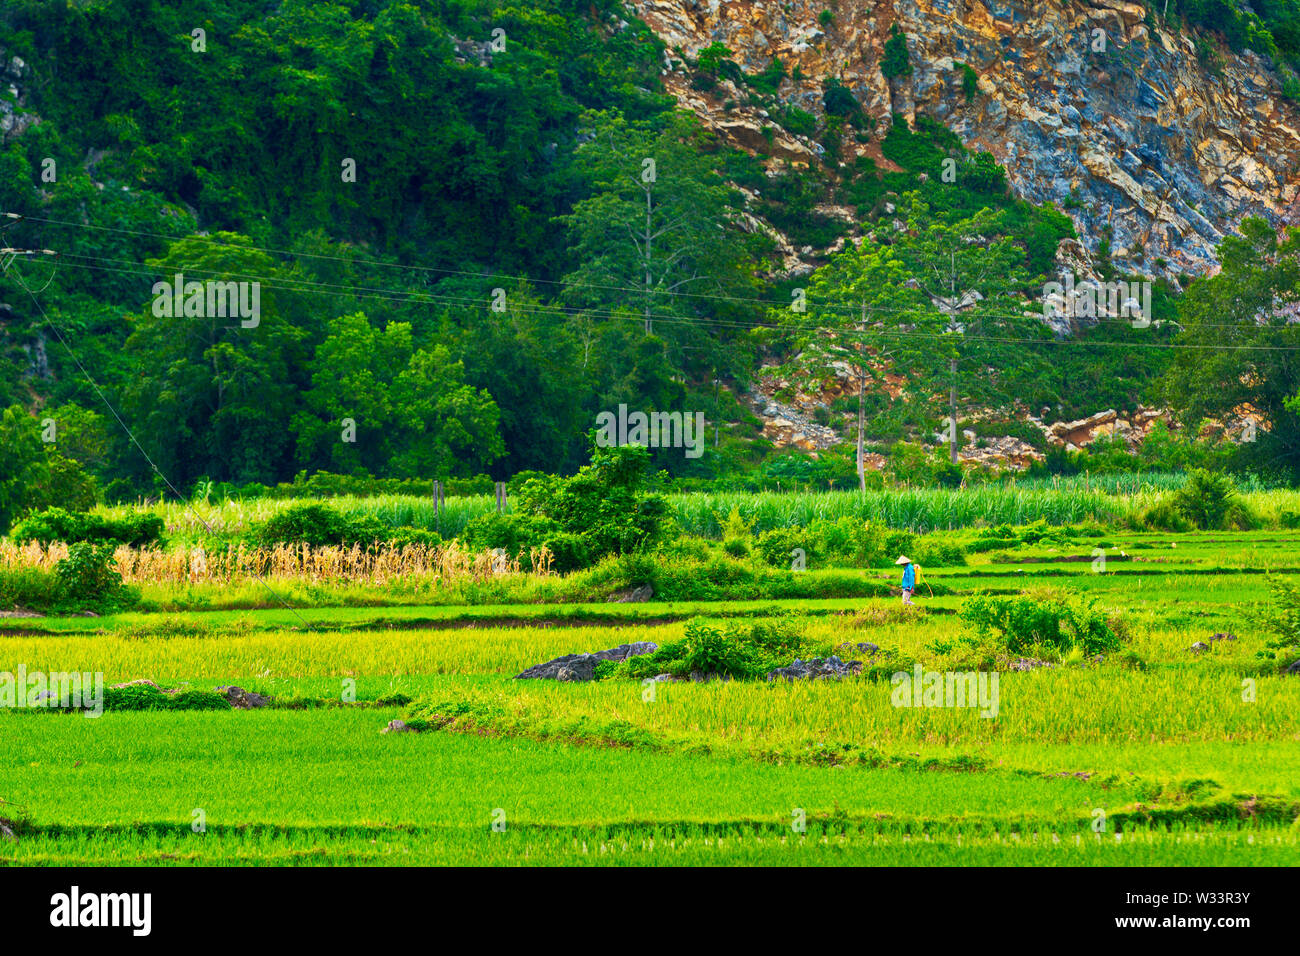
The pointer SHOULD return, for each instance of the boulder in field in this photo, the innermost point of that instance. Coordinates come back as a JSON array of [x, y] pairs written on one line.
[[817, 669], [634, 595], [582, 667], [865, 647], [241, 699]]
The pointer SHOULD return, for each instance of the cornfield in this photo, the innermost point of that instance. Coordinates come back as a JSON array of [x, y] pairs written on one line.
[[234, 563]]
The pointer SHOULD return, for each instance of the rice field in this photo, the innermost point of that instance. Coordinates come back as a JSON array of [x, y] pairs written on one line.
[[1187, 758]]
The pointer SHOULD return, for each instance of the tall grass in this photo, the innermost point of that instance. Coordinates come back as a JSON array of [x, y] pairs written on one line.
[[916, 509], [1106, 500]]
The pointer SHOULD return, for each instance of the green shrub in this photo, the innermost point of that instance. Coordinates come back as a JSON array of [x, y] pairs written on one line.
[[969, 80], [605, 504], [736, 547], [838, 99], [148, 697], [31, 588], [1164, 516], [70, 527], [1282, 617], [406, 537], [896, 62], [1021, 624], [736, 649], [319, 526], [775, 546], [88, 574], [1206, 499], [569, 552], [938, 550], [523, 537]]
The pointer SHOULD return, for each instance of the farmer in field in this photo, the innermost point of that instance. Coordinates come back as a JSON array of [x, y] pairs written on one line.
[[909, 577]]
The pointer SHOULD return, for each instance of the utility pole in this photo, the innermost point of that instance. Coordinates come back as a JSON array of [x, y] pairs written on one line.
[[862, 387], [648, 186], [717, 416], [8, 253]]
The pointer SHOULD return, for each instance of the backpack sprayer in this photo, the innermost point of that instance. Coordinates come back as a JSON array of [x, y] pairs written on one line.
[[919, 579]]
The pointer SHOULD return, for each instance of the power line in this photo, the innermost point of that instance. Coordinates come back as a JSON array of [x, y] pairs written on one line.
[[305, 286], [851, 309], [131, 435]]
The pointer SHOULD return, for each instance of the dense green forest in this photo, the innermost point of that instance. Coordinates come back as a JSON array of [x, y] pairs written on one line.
[[463, 256]]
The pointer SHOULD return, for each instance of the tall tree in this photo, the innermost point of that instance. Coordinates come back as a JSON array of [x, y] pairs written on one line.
[[1240, 346], [940, 304], [661, 231]]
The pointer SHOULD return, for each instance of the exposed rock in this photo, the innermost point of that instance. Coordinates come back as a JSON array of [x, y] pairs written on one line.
[[20, 612], [1199, 647], [789, 427], [1293, 668], [634, 595], [701, 677], [398, 727], [865, 647], [817, 669], [1223, 637], [241, 699], [582, 667], [138, 682], [1004, 452], [1133, 428], [1027, 664], [1140, 143]]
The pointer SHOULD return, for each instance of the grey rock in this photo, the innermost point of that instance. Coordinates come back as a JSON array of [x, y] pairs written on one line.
[[817, 669], [865, 647], [1223, 637], [1294, 668], [700, 677], [398, 727], [241, 699], [1199, 647], [1028, 664], [634, 595], [582, 667]]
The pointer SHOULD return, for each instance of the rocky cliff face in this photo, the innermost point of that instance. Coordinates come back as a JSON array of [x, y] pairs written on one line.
[[1096, 106]]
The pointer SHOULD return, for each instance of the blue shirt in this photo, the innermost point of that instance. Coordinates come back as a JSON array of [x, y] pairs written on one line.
[[909, 577]]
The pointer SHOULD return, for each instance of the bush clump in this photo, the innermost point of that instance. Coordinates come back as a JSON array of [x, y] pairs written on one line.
[[605, 509], [88, 577], [746, 651], [1020, 625], [148, 697], [319, 526], [70, 527], [1207, 499]]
